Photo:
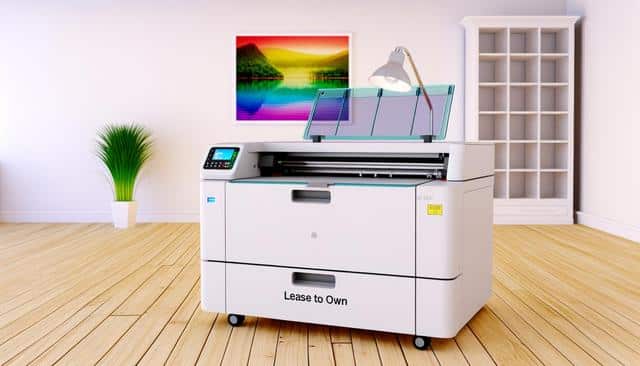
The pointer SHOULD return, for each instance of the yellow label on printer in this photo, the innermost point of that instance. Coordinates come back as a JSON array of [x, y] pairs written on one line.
[[434, 209]]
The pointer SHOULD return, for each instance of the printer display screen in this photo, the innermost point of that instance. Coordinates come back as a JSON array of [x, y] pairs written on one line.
[[223, 154], [221, 158]]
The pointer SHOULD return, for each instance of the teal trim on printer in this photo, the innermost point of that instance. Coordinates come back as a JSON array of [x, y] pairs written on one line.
[[268, 182], [394, 185], [447, 110], [368, 138], [331, 184]]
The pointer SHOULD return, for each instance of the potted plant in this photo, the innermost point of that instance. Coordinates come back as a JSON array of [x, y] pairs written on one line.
[[124, 149]]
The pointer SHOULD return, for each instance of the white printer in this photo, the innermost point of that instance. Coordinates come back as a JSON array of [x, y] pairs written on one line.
[[371, 233]]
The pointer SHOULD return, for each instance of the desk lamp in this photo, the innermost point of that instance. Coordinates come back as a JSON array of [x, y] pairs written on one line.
[[392, 76]]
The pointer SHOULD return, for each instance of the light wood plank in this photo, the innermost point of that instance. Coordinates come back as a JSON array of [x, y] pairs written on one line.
[[216, 344], [26, 315], [58, 315], [66, 271], [365, 350], [133, 345], [447, 352], [57, 273], [544, 350], [472, 349], [320, 351], [239, 346], [499, 341], [149, 292], [161, 348], [611, 345], [54, 338], [389, 349], [189, 346], [265, 341], [606, 313], [177, 257], [343, 354], [108, 302], [340, 335], [557, 320], [568, 348], [292, 345], [96, 344], [416, 357], [20, 243], [600, 287]]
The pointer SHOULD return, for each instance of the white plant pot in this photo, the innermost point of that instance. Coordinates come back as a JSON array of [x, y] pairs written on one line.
[[124, 213]]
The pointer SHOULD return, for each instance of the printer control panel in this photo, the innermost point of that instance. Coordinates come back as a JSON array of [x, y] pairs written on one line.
[[221, 158]]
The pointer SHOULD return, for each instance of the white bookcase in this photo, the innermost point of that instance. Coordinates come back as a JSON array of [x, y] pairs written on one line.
[[519, 93]]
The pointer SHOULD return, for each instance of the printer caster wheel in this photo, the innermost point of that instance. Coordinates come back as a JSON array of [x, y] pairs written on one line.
[[235, 319], [421, 343]]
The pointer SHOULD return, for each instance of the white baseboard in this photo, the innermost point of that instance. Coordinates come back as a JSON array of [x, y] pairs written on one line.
[[612, 227], [93, 216]]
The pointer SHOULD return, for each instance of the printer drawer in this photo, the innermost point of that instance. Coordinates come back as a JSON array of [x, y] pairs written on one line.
[[368, 229], [377, 302]]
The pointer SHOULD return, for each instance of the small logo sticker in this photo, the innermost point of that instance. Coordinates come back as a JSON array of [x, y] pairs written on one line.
[[434, 209], [211, 200]]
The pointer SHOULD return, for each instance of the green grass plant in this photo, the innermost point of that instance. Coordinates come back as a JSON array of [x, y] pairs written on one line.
[[124, 149]]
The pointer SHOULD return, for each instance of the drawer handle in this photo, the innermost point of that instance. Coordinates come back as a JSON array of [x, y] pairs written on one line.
[[313, 280], [307, 195]]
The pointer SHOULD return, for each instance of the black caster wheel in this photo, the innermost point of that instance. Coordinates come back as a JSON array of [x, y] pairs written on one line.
[[235, 319], [421, 343]]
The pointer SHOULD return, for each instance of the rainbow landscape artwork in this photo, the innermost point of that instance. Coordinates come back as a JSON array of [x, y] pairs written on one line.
[[277, 76]]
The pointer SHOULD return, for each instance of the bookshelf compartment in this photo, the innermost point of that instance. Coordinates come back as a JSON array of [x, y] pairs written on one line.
[[554, 40], [554, 70], [493, 40], [523, 40], [524, 99], [553, 185], [500, 185], [554, 98], [554, 155], [524, 69], [500, 156], [523, 127], [493, 99], [493, 70], [492, 127], [523, 185], [523, 155], [554, 127]]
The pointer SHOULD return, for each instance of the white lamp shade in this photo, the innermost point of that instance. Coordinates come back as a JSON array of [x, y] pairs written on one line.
[[392, 76]]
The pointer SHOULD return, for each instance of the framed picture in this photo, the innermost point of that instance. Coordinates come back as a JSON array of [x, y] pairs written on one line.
[[277, 76]]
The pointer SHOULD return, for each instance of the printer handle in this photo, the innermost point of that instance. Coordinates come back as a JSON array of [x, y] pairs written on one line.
[[310, 195], [313, 279]]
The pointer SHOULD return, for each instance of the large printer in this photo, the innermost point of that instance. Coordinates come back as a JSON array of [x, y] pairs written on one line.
[[368, 233]]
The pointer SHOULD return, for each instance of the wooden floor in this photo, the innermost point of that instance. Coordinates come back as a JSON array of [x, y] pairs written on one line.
[[87, 294]]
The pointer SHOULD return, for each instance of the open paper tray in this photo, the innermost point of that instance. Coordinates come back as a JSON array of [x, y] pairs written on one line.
[[376, 114], [334, 181]]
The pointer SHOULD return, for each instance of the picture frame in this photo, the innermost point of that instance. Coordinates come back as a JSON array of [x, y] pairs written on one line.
[[305, 63]]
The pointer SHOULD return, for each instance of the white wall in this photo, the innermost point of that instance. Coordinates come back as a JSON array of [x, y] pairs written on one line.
[[67, 67], [608, 130]]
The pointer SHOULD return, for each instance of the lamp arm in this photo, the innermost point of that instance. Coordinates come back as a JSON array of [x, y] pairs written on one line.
[[415, 71]]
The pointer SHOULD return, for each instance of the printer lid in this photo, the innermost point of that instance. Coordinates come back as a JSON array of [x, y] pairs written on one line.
[[378, 114]]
